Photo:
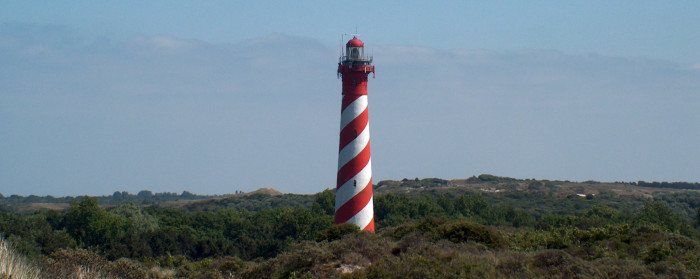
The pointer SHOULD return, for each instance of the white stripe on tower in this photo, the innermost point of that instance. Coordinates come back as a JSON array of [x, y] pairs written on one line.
[[359, 141], [365, 217], [348, 189]]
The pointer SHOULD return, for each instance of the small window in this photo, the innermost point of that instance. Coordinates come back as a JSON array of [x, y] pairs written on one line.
[[355, 53]]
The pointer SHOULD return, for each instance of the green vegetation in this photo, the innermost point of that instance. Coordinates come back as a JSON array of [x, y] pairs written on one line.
[[481, 227], [144, 197], [672, 185]]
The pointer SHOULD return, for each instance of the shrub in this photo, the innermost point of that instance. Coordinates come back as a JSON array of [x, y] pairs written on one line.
[[623, 268], [426, 226], [470, 205], [467, 231], [488, 177], [514, 265], [128, 269], [559, 264], [660, 214], [301, 260], [75, 263], [337, 231]]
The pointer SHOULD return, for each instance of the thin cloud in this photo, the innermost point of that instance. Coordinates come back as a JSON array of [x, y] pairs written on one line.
[[171, 114], [162, 43]]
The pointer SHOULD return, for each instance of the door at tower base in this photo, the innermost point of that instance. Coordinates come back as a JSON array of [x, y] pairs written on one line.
[[353, 202]]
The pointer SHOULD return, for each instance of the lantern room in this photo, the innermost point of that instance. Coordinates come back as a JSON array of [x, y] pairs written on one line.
[[354, 49], [355, 54]]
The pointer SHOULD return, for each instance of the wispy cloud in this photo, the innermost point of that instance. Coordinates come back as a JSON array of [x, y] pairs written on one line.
[[171, 114]]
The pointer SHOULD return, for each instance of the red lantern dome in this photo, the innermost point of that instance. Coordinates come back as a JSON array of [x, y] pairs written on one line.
[[355, 42]]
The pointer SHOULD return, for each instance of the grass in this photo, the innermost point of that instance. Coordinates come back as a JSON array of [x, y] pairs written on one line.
[[14, 266]]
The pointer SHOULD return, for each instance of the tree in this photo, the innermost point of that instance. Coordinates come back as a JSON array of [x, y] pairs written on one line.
[[90, 225], [140, 221], [144, 194], [660, 213], [324, 203], [79, 216], [470, 205], [117, 196], [187, 195], [447, 205]]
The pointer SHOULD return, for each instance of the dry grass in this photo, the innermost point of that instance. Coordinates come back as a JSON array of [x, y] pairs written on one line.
[[51, 206], [557, 188], [14, 266]]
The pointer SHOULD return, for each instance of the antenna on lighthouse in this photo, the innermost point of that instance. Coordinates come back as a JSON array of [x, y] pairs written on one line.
[[340, 46], [342, 37], [354, 35]]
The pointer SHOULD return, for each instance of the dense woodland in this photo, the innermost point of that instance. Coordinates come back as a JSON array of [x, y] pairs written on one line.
[[426, 228]]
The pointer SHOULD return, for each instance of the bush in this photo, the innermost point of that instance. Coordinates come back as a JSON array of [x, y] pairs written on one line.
[[464, 231], [559, 264], [128, 269], [75, 263], [426, 226], [488, 177], [337, 231]]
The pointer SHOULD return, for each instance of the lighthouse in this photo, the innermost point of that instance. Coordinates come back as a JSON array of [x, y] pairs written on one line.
[[353, 193]]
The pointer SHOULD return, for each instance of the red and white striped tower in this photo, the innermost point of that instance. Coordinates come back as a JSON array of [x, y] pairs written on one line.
[[353, 193]]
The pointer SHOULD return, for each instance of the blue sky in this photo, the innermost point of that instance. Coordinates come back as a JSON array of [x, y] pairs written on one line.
[[97, 97], [627, 28]]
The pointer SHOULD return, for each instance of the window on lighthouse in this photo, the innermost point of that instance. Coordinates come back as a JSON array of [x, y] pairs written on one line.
[[355, 53]]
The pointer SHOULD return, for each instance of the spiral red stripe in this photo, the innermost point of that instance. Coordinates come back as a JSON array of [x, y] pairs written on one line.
[[348, 99], [354, 205], [347, 171], [355, 127], [370, 225]]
